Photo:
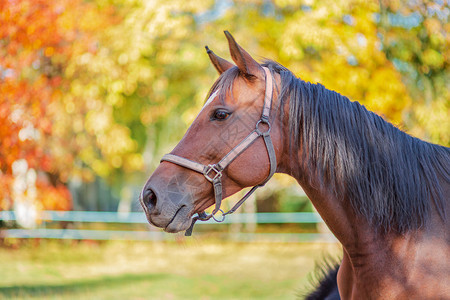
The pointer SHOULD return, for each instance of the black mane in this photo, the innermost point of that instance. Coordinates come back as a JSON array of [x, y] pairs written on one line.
[[390, 177], [323, 281]]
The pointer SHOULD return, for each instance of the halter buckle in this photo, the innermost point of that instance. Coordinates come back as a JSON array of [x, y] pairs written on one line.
[[208, 170]]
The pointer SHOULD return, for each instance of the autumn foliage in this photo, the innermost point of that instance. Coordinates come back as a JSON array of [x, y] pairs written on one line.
[[103, 88], [36, 42]]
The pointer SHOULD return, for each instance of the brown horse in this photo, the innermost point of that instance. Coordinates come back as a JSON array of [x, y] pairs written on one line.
[[384, 194]]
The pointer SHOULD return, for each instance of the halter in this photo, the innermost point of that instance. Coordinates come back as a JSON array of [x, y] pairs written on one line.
[[213, 172]]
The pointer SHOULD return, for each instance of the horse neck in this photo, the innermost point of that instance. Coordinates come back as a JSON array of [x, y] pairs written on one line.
[[338, 214], [349, 228]]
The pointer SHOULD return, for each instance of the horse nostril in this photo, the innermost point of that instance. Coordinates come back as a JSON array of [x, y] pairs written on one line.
[[149, 198]]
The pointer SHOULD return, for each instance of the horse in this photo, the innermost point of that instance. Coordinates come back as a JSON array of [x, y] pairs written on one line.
[[383, 193]]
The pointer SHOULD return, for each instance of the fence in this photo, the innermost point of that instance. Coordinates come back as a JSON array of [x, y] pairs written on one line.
[[48, 217]]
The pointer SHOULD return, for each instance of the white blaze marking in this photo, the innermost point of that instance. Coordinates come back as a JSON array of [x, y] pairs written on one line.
[[210, 99]]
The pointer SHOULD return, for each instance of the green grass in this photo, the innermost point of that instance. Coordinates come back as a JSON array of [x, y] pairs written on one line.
[[188, 269]]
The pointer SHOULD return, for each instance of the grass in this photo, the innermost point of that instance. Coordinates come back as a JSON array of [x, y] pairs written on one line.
[[187, 269]]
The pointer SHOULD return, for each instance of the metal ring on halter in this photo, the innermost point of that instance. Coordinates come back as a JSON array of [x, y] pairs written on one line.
[[259, 131], [223, 216]]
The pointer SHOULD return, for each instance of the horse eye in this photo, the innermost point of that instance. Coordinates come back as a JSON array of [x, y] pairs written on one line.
[[220, 114]]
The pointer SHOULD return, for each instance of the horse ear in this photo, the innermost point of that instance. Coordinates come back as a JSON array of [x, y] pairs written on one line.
[[243, 60], [219, 63]]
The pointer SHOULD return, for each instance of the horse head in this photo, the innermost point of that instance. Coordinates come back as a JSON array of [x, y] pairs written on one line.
[[233, 143]]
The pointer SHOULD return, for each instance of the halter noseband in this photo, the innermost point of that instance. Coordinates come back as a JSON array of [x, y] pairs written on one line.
[[213, 172]]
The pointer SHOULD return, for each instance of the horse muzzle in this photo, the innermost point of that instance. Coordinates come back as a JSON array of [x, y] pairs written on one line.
[[165, 209]]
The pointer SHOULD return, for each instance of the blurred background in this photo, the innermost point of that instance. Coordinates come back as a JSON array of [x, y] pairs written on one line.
[[93, 93]]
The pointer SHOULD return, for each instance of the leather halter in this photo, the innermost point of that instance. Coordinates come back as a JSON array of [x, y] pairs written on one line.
[[213, 172]]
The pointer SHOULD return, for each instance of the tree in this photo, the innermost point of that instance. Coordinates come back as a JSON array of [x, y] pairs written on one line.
[[36, 42], [413, 35]]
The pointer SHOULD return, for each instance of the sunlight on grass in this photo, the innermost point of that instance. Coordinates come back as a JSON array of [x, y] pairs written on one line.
[[190, 269]]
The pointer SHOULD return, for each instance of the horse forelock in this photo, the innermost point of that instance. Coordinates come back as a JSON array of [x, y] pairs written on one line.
[[388, 176], [224, 84]]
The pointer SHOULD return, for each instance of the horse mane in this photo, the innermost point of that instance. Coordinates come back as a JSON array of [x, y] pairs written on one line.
[[389, 177], [323, 281]]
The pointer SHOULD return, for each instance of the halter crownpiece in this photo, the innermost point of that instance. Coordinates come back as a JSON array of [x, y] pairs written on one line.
[[213, 172]]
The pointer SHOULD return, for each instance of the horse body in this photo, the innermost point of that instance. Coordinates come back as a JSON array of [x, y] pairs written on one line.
[[410, 266], [383, 193], [387, 265]]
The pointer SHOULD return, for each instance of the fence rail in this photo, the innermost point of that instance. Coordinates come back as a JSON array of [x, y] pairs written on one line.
[[139, 218]]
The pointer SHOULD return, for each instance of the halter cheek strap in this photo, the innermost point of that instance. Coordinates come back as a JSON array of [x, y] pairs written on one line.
[[213, 172]]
